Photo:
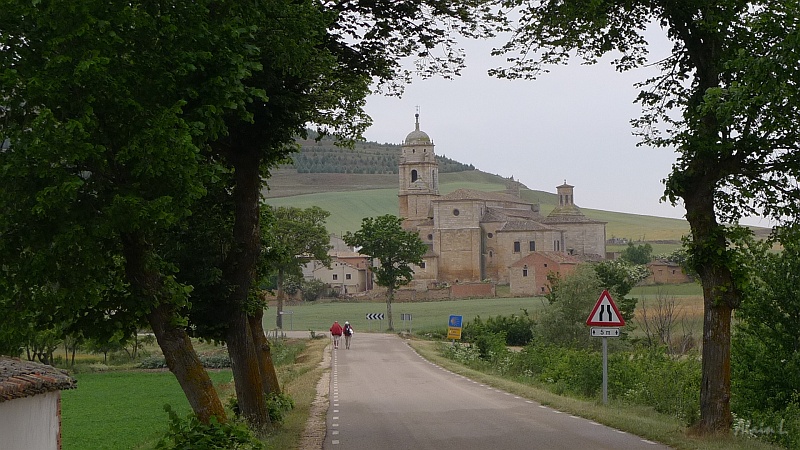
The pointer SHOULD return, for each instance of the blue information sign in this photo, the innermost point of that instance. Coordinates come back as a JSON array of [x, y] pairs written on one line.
[[455, 321]]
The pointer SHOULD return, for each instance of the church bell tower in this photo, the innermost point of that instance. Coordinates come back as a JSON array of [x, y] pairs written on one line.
[[419, 177]]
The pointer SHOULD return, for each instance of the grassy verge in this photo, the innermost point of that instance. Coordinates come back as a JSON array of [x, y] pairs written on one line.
[[299, 380], [123, 409], [641, 421]]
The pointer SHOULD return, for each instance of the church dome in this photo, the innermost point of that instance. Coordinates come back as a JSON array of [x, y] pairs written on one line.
[[417, 136]]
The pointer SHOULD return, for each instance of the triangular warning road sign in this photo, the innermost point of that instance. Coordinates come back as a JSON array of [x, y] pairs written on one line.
[[605, 313]]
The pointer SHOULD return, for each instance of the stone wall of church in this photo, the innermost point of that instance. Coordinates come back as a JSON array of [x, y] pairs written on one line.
[[585, 238], [459, 254], [457, 214], [491, 260]]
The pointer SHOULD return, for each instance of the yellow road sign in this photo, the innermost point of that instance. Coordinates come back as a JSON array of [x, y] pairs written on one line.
[[453, 333]]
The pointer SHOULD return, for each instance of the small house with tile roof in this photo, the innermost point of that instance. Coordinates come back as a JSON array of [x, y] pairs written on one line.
[[528, 276], [30, 404], [349, 271], [666, 272], [475, 236]]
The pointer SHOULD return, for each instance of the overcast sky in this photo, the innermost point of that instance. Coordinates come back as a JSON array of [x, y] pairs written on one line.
[[572, 124]]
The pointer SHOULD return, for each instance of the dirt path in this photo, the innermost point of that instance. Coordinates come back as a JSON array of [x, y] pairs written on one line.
[[314, 434]]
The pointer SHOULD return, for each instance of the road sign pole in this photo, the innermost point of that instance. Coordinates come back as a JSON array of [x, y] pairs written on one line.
[[605, 370]]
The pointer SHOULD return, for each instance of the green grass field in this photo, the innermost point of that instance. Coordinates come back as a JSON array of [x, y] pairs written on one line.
[[429, 316], [122, 409], [425, 316]]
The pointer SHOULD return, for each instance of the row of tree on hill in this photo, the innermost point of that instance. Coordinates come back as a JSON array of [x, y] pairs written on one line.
[[364, 158]]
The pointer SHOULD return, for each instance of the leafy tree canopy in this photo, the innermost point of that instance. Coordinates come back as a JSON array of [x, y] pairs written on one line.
[[571, 299], [383, 238], [638, 254], [767, 339], [292, 237], [295, 236]]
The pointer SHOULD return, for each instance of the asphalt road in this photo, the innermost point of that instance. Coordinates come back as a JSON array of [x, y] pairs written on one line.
[[384, 396]]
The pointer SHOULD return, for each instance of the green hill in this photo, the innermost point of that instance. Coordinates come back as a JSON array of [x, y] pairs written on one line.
[[351, 197]]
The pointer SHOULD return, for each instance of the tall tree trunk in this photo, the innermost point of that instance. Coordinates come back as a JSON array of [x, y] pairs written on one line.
[[239, 272], [184, 363], [389, 298], [281, 295], [697, 186], [246, 372], [269, 378], [720, 296], [178, 351], [715, 390]]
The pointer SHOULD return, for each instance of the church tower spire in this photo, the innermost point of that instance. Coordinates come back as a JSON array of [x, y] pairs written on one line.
[[419, 176]]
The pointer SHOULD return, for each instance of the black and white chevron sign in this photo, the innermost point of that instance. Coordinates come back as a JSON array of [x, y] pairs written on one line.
[[378, 316]]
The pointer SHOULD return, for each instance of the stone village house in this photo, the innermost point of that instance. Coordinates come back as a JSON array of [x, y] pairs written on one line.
[[666, 272], [349, 272]]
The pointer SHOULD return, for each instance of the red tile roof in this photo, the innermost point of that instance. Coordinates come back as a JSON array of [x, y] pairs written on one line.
[[20, 379]]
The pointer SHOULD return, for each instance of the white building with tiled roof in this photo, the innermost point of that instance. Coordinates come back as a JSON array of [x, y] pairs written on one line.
[[30, 404]]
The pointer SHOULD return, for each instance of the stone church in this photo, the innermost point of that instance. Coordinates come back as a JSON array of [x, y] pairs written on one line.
[[478, 236]]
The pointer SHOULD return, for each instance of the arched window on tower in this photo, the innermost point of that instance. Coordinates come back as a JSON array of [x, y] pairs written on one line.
[[414, 175]]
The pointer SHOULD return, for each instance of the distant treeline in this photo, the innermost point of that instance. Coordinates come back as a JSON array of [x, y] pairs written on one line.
[[365, 158]]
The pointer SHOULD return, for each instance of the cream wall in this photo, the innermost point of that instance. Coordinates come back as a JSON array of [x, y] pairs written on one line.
[[585, 238], [30, 422], [337, 277], [457, 239]]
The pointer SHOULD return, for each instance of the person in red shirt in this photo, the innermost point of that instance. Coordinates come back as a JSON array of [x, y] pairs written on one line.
[[348, 333], [336, 332]]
